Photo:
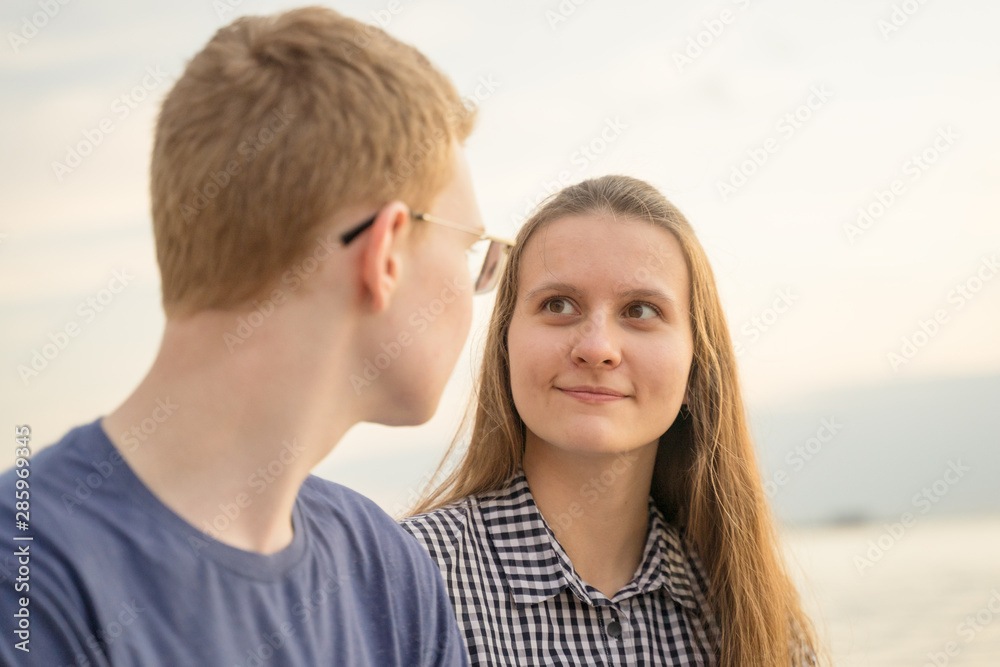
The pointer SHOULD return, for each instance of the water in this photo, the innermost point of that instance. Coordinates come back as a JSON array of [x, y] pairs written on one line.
[[895, 595]]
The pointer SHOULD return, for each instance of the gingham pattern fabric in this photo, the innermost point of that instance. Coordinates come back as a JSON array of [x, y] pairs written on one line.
[[519, 601]]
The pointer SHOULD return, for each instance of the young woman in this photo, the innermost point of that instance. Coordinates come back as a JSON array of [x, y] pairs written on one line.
[[609, 509]]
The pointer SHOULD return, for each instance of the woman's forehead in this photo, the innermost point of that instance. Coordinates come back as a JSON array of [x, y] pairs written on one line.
[[597, 249]]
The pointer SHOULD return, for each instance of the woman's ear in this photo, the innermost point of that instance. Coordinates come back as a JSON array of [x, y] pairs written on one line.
[[381, 258]]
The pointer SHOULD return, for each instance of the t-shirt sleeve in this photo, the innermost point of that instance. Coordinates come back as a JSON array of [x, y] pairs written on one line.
[[57, 637], [436, 533], [448, 647]]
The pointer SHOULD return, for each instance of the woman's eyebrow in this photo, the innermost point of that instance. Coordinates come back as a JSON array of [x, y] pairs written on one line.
[[647, 293], [566, 288], [635, 293]]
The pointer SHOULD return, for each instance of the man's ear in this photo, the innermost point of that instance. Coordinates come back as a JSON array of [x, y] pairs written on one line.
[[381, 259]]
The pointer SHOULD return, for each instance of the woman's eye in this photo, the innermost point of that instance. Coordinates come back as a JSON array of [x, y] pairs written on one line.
[[559, 306], [642, 311]]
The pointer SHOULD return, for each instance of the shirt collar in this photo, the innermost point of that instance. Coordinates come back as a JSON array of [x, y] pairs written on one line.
[[536, 567]]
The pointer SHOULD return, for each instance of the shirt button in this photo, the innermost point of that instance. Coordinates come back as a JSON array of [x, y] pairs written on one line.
[[614, 629]]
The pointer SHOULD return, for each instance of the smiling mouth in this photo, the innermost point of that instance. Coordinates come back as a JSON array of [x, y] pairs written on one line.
[[593, 394]]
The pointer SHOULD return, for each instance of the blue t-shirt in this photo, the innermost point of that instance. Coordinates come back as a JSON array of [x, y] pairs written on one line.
[[114, 577]]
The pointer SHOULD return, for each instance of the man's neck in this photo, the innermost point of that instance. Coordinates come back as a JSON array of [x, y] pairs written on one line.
[[226, 440], [597, 507]]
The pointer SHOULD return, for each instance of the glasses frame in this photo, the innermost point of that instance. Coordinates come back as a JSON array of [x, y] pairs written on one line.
[[497, 251]]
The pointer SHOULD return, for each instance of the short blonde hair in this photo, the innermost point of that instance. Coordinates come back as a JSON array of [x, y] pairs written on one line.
[[278, 123]]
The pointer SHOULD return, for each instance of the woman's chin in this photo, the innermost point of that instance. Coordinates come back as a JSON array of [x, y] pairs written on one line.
[[591, 444]]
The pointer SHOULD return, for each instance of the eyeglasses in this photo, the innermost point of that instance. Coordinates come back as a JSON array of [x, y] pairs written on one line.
[[491, 249]]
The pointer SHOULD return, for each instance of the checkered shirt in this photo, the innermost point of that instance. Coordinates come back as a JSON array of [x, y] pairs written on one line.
[[520, 602]]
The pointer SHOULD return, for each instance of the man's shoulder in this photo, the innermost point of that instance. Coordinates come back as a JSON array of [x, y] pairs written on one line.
[[73, 445], [56, 477], [342, 514], [49, 499], [319, 494]]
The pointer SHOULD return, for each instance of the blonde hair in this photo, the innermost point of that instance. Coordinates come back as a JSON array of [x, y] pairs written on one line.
[[278, 123], [706, 478]]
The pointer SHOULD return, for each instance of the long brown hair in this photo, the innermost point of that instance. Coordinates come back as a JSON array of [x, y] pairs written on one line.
[[706, 479]]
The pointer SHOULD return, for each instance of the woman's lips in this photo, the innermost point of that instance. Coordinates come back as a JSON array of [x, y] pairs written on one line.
[[592, 394]]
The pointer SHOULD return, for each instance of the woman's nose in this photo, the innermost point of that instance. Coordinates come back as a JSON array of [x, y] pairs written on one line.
[[595, 343]]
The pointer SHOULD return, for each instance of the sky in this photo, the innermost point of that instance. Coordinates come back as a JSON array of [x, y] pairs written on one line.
[[838, 161]]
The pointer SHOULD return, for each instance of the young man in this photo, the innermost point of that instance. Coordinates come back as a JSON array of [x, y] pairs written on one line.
[[304, 293]]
